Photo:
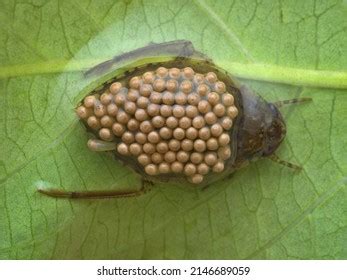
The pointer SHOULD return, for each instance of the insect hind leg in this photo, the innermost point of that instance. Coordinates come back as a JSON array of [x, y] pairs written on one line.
[[98, 194]]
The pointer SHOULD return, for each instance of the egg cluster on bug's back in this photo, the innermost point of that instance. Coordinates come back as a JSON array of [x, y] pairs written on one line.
[[171, 120]]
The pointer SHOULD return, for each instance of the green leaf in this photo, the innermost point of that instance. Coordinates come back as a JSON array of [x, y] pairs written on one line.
[[281, 49]]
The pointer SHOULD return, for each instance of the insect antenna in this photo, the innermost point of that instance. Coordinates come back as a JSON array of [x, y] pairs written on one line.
[[276, 159], [292, 101]]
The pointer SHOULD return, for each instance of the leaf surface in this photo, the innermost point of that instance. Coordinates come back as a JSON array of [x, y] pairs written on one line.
[[264, 211]]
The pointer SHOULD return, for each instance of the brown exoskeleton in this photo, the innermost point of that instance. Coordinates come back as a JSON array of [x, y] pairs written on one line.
[[179, 117]]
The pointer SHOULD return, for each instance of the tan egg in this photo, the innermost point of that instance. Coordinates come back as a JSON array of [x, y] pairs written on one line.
[[106, 98], [185, 122], [164, 168], [180, 98], [133, 125], [213, 98], [187, 145], [146, 90], [170, 156], [153, 137], [196, 158], [168, 98], [204, 107], [232, 112], [135, 149], [93, 122], [193, 99], [210, 118], [107, 121], [89, 101], [120, 99], [189, 169], [210, 158], [153, 110], [162, 72], [218, 167], [186, 86], [203, 90], [115, 87], [212, 144], [188, 73], [204, 133], [196, 179], [156, 97], [226, 123], [148, 77], [216, 130], [172, 85], [141, 115], [142, 102], [179, 133], [99, 109], [128, 137], [146, 127], [174, 73], [191, 111], [159, 85], [171, 122], [157, 158], [112, 109], [133, 95], [227, 99], [224, 139], [141, 138], [219, 110], [130, 107], [224, 153], [123, 149], [203, 168], [192, 133], [198, 122], [135, 83], [165, 133], [219, 87], [199, 145], [178, 111], [144, 159], [148, 148], [174, 145], [182, 156], [83, 112], [176, 167], [118, 129], [122, 117], [199, 78], [211, 77], [158, 121], [166, 110], [162, 147], [151, 169]]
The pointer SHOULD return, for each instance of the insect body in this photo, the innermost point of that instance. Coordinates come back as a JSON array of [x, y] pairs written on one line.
[[181, 118]]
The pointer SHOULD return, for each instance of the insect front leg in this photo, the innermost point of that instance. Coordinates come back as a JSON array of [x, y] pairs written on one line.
[[292, 101]]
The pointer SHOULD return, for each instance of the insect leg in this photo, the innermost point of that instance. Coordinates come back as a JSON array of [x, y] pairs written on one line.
[[292, 101], [101, 146], [178, 48], [58, 193], [276, 159]]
